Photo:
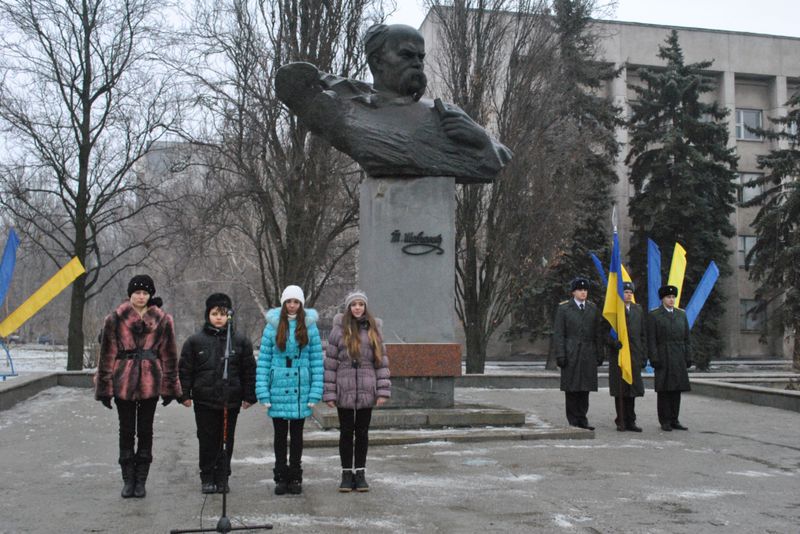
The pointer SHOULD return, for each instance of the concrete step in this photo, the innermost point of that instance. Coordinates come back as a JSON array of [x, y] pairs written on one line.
[[460, 415], [330, 438]]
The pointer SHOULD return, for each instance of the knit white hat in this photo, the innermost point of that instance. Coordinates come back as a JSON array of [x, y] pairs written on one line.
[[293, 292], [356, 294]]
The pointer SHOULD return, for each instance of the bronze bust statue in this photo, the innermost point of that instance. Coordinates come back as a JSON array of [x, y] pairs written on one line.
[[388, 127]]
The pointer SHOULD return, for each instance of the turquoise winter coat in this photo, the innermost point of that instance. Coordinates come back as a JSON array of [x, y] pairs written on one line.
[[290, 379]]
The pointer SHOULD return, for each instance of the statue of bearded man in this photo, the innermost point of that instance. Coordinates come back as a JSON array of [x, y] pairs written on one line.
[[388, 127]]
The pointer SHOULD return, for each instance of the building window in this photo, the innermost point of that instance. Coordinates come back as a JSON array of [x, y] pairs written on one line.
[[752, 320], [748, 118], [747, 193], [746, 244]]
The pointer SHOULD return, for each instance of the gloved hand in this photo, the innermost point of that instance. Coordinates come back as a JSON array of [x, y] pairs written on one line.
[[166, 399], [106, 402], [267, 405], [600, 361], [311, 405], [561, 362], [618, 345], [689, 363]]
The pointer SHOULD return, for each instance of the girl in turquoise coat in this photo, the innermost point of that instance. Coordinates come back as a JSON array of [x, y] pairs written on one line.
[[289, 381]]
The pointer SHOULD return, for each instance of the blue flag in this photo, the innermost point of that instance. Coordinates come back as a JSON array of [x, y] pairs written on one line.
[[8, 263], [701, 293], [599, 266], [653, 274]]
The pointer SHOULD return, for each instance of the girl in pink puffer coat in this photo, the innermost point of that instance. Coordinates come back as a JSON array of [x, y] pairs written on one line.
[[356, 380]]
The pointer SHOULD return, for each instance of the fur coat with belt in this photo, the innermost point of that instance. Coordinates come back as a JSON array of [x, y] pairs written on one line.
[[138, 355]]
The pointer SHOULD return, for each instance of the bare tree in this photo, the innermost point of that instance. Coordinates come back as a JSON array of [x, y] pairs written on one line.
[[500, 62], [289, 197], [81, 100]]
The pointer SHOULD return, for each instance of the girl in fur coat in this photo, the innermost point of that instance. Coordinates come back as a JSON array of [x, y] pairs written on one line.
[[356, 380], [289, 381], [138, 362]]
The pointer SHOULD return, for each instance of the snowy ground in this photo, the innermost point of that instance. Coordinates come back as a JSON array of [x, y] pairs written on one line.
[[736, 470], [34, 358]]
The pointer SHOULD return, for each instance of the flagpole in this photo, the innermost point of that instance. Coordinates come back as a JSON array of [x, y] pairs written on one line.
[[620, 403]]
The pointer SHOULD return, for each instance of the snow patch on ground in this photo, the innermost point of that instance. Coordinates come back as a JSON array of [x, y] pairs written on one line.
[[567, 521], [479, 462], [34, 359], [751, 474], [320, 523], [692, 494], [526, 478]]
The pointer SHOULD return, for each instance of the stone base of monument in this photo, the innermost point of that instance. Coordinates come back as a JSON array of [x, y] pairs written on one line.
[[423, 378]]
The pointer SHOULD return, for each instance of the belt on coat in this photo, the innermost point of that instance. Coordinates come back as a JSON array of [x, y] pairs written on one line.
[[137, 355]]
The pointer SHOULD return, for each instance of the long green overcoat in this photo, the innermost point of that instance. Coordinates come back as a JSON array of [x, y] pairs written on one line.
[[578, 345], [670, 350], [637, 338]]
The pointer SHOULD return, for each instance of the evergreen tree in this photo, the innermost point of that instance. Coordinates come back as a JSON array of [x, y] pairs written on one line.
[[583, 77], [774, 260], [683, 176]]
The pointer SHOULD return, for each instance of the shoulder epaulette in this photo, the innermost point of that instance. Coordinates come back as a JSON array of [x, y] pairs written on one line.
[[562, 303]]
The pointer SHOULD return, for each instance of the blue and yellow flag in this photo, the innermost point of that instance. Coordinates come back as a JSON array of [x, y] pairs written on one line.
[[614, 311], [47, 292]]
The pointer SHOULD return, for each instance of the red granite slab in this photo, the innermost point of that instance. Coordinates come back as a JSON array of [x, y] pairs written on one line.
[[424, 359]]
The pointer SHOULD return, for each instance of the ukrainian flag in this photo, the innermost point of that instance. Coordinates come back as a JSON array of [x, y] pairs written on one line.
[[614, 310]]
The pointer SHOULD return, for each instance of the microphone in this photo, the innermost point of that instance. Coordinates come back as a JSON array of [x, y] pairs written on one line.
[[230, 314]]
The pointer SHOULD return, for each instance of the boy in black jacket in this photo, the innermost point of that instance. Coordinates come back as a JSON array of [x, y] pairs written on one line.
[[201, 368]]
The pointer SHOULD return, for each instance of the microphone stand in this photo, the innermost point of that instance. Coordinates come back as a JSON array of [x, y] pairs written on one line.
[[224, 524]]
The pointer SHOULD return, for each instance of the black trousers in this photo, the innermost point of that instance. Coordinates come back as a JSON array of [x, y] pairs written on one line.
[[626, 411], [136, 421], [209, 434], [577, 407], [293, 429], [669, 407], [354, 427]]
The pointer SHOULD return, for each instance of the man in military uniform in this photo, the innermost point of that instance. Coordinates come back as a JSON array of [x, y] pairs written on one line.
[[625, 394], [578, 345], [670, 356]]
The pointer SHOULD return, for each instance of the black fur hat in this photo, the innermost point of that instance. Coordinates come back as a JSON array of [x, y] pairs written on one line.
[[579, 283], [663, 291], [218, 300], [143, 282]]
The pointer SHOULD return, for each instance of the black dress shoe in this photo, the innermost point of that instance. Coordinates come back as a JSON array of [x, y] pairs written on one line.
[[666, 428], [208, 487], [586, 427], [621, 428], [633, 428], [678, 426]]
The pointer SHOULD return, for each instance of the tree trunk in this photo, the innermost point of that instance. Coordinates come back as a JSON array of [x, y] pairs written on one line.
[[476, 349], [796, 349], [75, 336]]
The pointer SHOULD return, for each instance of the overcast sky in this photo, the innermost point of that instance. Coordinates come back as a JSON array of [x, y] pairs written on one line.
[[778, 17]]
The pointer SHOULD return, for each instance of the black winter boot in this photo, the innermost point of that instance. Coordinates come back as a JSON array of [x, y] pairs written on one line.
[[281, 477], [207, 484], [295, 480], [221, 481], [347, 481], [143, 460], [360, 481], [128, 465]]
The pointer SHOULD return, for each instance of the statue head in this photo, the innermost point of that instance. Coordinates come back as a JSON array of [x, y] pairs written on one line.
[[394, 54]]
